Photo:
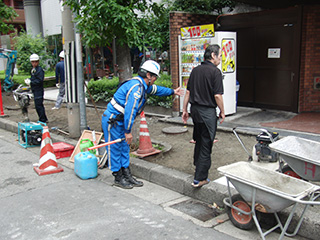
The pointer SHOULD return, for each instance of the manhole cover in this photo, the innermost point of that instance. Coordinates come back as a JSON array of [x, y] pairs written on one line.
[[174, 130], [198, 210]]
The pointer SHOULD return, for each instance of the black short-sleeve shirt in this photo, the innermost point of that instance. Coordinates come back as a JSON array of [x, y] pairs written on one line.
[[205, 81]]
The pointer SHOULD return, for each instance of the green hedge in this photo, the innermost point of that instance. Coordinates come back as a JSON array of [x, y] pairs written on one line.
[[166, 102], [19, 78], [104, 89]]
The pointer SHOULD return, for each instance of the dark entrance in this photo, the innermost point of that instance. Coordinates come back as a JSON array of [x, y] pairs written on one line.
[[268, 45]]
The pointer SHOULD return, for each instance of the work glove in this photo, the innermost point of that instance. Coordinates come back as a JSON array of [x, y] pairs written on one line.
[[58, 85], [27, 81]]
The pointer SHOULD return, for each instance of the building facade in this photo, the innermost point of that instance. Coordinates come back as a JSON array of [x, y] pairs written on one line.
[[290, 82]]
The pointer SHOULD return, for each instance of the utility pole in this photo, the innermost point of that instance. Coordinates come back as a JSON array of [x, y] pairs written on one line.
[[68, 41], [80, 79]]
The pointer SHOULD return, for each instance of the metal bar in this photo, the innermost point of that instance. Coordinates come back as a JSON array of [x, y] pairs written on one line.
[[242, 144], [74, 98], [103, 160], [288, 221]]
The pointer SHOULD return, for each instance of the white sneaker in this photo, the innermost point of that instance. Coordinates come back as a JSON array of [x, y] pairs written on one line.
[[55, 108]]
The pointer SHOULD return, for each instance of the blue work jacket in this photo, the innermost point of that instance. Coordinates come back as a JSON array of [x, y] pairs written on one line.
[[60, 72], [131, 95]]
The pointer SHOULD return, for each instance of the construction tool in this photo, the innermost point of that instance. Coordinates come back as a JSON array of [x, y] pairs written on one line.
[[106, 144], [102, 162], [56, 128], [94, 140]]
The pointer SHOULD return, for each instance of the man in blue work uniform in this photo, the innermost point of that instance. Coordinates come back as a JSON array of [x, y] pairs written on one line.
[[36, 82], [60, 84], [117, 120]]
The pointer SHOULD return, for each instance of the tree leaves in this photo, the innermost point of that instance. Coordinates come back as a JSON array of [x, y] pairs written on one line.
[[100, 21], [202, 6], [26, 44], [7, 14]]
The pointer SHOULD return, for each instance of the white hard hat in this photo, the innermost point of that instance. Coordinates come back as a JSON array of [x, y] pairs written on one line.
[[151, 66], [61, 54], [34, 57]]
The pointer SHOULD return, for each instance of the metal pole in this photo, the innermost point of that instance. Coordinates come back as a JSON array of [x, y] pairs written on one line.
[[70, 72], [80, 80]]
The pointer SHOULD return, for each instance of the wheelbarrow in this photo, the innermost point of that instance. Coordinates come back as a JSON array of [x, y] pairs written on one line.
[[301, 155], [266, 191]]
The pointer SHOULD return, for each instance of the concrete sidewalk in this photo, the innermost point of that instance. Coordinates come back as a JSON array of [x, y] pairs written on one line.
[[51, 94]]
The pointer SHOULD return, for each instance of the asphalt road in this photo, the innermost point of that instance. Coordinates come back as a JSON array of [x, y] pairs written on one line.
[[62, 206]]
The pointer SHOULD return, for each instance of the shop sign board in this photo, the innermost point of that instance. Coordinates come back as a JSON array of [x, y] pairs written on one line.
[[197, 31]]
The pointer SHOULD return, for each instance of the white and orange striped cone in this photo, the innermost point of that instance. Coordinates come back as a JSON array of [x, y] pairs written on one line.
[[145, 145], [48, 162]]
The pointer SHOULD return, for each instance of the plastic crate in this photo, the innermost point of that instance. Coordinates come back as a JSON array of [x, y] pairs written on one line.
[[62, 149]]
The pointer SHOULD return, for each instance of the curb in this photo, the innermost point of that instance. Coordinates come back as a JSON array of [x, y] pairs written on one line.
[[181, 182], [178, 181]]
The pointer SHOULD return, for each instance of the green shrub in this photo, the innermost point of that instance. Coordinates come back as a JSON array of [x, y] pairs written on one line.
[[19, 78], [104, 90], [166, 102]]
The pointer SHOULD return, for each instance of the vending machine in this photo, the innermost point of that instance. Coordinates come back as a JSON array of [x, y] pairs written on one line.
[[192, 44]]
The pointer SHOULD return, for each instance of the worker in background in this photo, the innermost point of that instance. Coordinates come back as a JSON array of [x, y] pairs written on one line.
[[204, 92], [60, 81], [142, 59], [36, 82], [117, 120]]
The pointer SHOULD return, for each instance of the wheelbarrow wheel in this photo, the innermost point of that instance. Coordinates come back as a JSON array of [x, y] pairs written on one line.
[[289, 171], [239, 219]]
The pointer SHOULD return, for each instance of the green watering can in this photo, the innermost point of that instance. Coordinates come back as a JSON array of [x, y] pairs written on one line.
[[85, 144]]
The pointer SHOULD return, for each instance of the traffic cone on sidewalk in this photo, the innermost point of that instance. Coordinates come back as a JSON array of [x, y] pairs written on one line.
[[48, 162], [1, 104], [145, 145]]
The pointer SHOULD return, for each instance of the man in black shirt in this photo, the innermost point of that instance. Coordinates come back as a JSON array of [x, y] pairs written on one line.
[[204, 92]]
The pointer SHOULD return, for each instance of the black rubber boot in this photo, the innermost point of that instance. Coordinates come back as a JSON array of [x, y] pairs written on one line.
[[127, 174], [121, 181]]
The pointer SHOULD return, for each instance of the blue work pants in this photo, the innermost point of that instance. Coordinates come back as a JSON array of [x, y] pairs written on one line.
[[118, 153], [38, 103]]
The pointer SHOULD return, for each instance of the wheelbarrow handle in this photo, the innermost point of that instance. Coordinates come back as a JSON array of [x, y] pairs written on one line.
[[242, 144], [268, 133], [106, 144]]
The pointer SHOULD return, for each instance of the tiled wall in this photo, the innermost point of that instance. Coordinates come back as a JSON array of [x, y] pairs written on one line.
[[309, 98]]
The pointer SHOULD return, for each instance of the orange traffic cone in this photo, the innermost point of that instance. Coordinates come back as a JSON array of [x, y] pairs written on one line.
[[48, 162], [145, 145]]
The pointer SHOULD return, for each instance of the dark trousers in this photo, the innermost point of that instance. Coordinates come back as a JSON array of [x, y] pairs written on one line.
[[38, 102], [202, 151]]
